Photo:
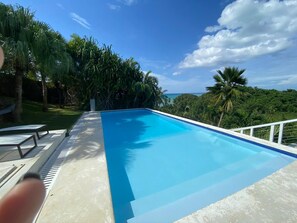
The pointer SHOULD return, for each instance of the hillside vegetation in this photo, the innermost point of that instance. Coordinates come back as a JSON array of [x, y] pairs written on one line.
[[255, 106]]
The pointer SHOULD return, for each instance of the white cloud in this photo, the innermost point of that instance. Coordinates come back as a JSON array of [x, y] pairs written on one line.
[[128, 2], [211, 29], [60, 5], [266, 79], [289, 80], [154, 64], [248, 29], [181, 86], [114, 7], [80, 20], [216, 69], [176, 73], [274, 80]]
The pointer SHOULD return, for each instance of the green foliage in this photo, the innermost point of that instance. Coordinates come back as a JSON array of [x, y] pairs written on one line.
[[148, 94], [184, 104], [226, 89], [79, 69], [16, 33], [253, 107], [50, 56], [258, 106], [115, 83]]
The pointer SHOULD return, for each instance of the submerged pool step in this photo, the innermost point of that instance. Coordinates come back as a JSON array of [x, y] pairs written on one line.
[[186, 205], [171, 194]]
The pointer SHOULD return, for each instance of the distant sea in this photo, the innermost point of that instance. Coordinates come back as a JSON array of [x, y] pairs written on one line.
[[172, 96]]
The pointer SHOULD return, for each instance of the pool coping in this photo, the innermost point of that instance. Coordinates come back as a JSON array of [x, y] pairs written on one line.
[[267, 144], [55, 205], [81, 191]]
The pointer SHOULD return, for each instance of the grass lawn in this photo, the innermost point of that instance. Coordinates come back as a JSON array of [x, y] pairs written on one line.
[[55, 118]]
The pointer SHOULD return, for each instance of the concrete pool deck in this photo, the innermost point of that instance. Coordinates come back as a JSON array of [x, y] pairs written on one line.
[[12, 167], [272, 199], [81, 190]]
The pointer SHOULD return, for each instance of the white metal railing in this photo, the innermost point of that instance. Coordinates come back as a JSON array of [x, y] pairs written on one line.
[[284, 132]]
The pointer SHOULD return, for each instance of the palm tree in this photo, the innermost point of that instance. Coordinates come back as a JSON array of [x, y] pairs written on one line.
[[52, 59], [108, 80], [16, 32], [155, 92], [92, 66], [226, 89], [147, 92], [129, 73]]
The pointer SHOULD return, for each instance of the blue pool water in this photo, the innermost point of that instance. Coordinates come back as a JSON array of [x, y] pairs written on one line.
[[161, 169]]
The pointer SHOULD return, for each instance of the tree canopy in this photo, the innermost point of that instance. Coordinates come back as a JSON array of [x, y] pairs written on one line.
[[114, 82], [226, 89], [80, 67], [254, 106], [16, 34]]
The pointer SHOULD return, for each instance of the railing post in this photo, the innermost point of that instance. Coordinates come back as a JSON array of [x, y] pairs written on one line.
[[280, 133], [252, 132], [281, 130], [271, 133]]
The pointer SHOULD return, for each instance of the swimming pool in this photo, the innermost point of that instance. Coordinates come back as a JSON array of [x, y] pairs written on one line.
[[161, 169]]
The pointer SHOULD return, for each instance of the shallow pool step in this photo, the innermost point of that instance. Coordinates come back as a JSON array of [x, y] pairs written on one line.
[[171, 194], [174, 209]]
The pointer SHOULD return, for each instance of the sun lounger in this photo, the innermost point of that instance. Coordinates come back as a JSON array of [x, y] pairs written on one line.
[[26, 129], [17, 141]]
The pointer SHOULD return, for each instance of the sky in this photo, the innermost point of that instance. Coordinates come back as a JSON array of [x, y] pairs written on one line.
[[184, 43]]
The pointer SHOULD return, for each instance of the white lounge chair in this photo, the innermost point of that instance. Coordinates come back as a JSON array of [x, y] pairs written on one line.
[[17, 141], [26, 129]]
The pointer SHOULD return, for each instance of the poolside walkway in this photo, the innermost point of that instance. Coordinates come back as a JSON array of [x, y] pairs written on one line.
[[80, 192], [12, 167]]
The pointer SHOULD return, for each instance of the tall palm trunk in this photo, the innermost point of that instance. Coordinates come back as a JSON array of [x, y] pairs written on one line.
[[18, 89], [44, 94], [61, 98], [221, 117]]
